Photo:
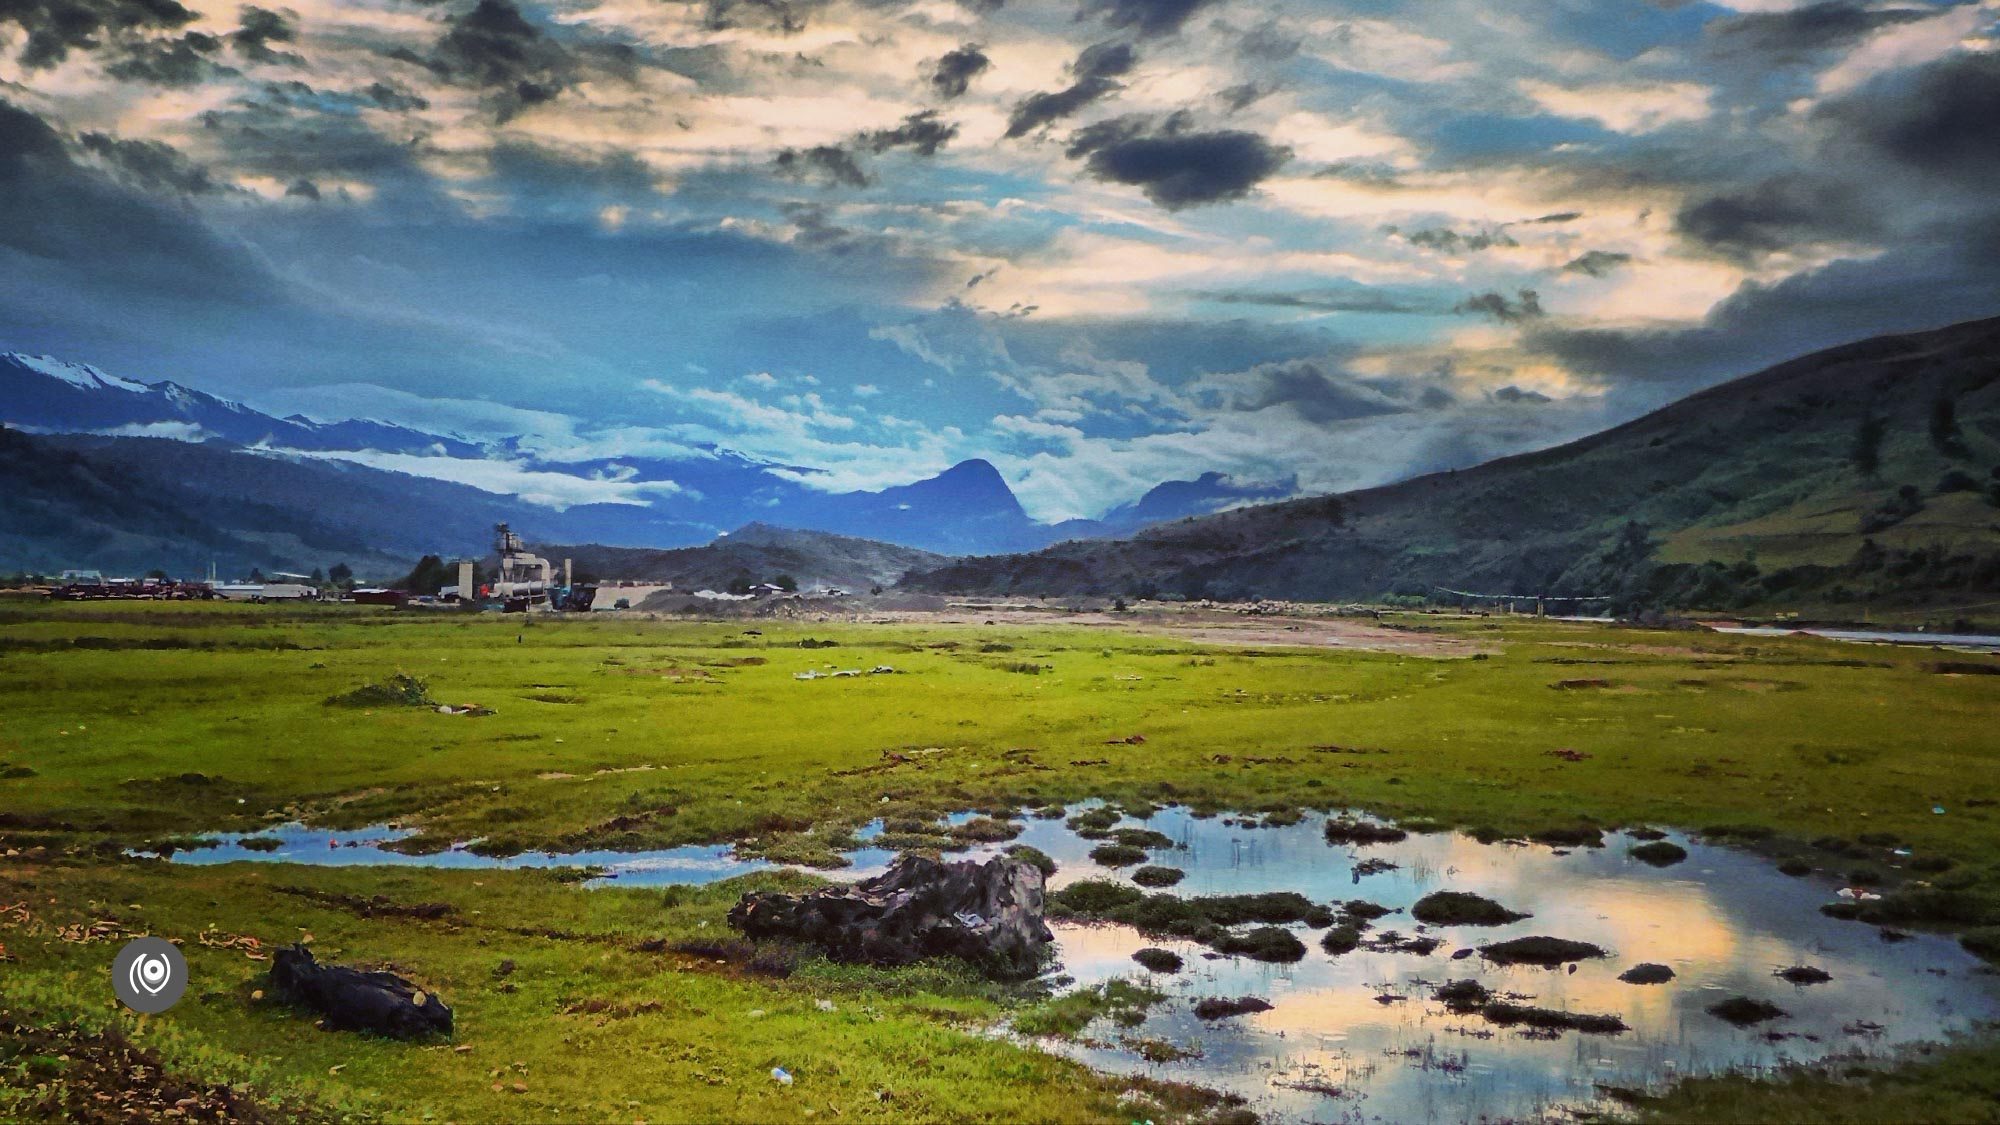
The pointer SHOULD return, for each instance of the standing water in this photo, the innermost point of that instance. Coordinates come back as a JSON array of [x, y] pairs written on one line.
[[1361, 1035]]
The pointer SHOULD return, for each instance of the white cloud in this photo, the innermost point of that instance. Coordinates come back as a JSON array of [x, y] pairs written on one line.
[[508, 478], [1624, 107]]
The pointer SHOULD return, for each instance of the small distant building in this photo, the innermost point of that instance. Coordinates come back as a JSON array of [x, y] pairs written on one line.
[[378, 596]]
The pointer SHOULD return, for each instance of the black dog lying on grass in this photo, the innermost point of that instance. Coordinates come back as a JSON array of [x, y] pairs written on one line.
[[354, 1000]]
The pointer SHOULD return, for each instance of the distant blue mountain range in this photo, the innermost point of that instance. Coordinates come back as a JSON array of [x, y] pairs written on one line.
[[214, 449]]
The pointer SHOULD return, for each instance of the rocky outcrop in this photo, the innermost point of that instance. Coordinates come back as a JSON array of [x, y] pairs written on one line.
[[357, 1000], [989, 914]]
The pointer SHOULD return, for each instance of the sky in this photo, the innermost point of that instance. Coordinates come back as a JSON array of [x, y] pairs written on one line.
[[1099, 243]]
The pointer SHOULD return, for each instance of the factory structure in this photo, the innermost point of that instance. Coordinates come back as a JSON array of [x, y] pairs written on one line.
[[525, 583]]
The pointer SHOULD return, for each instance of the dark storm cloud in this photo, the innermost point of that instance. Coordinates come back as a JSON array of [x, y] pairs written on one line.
[[1596, 263], [261, 27], [1268, 43], [1513, 394], [828, 163], [763, 15], [1448, 241], [1174, 167], [1953, 276], [289, 131], [303, 189], [1939, 119], [493, 47], [1318, 392], [1357, 301], [186, 61], [1095, 71], [952, 75], [389, 96], [1778, 213], [1235, 99], [150, 165], [56, 27], [1526, 304], [1802, 31], [1145, 17], [922, 133], [70, 234]]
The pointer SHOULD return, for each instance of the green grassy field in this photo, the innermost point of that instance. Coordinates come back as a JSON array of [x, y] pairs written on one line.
[[122, 725]]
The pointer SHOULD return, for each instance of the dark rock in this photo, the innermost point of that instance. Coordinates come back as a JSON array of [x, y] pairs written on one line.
[[989, 914], [1459, 908], [1159, 960], [1581, 836], [356, 1000], [1216, 1008], [1803, 974], [1743, 1011], [1647, 973], [1545, 951], [1659, 853]]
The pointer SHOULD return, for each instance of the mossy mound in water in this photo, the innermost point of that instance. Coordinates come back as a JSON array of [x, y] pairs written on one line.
[[399, 690], [1358, 832], [1344, 938], [1159, 960], [1033, 857], [985, 830], [1218, 1007], [1803, 974], [1361, 910], [1549, 1019], [1142, 838], [1659, 853], [1463, 996], [1117, 855], [1548, 952], [1265, 943], [1158, 876], [1647, 973], [1392, 941], [1205, 919], [1460, 908], [1093, 824], [1743, 1011]]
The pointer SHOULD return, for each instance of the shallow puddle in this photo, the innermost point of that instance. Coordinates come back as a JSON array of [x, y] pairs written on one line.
[[1360, 1036], [692, 864]]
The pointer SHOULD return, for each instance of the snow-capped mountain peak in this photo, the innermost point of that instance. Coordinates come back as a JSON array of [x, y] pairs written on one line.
[[81, 375]]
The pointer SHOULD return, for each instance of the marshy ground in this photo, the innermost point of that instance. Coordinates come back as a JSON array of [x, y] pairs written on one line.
[[126, 728]]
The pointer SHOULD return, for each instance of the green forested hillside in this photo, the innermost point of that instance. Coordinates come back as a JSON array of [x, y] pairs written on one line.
[[1867, 473]]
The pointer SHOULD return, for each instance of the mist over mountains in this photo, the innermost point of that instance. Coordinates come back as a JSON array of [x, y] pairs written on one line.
[[221, 481]]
